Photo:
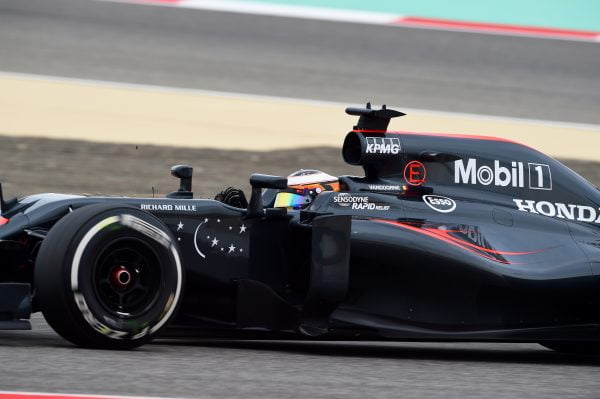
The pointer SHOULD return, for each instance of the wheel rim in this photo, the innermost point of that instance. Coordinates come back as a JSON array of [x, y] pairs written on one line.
[[127, 278]]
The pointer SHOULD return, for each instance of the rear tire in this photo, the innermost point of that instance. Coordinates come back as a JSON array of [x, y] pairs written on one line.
[[574, 348], [108, 277]]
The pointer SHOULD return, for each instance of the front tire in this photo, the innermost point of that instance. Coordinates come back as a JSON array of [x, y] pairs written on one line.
[[108, 277]]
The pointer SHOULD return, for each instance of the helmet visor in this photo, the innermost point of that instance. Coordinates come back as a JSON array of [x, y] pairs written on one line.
[[290, 200]]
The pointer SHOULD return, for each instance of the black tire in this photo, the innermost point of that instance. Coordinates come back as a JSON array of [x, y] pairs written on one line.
[[108, 277], [574, 348]]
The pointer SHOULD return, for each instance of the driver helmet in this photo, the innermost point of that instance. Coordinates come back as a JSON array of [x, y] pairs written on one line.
[[303, 186]]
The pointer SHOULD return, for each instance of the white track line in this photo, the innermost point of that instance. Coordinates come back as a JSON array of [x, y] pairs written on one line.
[[276, 10]]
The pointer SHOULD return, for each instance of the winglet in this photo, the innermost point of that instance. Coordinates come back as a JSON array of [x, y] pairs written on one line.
[[373, 119]]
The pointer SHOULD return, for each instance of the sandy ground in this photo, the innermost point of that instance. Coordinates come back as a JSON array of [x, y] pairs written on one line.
[[58, 108], [31, 165]]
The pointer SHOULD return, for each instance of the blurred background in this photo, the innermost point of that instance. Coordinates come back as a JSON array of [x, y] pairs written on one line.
[[104, 96]]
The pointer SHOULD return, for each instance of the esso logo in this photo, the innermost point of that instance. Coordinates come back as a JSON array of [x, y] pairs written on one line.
[[439, 203]]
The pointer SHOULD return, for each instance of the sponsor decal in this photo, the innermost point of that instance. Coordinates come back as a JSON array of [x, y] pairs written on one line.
[[439, 203], [473, 234], [578, 213], [220, 237], [93, 321], [358, 202], [383, 145], [345, 199], [147, 229], [370, 207], [168, 207], [415, 173], [468, 238], [538, 176], [384, 187]]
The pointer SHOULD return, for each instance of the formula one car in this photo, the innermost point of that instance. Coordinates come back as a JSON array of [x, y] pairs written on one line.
[[445, 238]]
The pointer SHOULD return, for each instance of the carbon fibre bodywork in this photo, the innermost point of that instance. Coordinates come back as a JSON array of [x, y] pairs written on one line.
[[447, 237]]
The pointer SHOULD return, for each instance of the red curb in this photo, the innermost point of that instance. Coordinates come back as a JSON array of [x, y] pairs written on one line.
[[496, 28]]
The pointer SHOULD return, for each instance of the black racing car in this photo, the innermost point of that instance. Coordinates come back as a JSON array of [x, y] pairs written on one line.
[[445, 238]]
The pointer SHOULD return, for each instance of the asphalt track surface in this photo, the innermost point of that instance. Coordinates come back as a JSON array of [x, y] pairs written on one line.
[[40, 360], [533, 78], [474, 73]]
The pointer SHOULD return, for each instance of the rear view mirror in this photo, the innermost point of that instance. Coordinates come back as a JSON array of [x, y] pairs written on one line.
[[258, 182], [267, 181], [184, 173]]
